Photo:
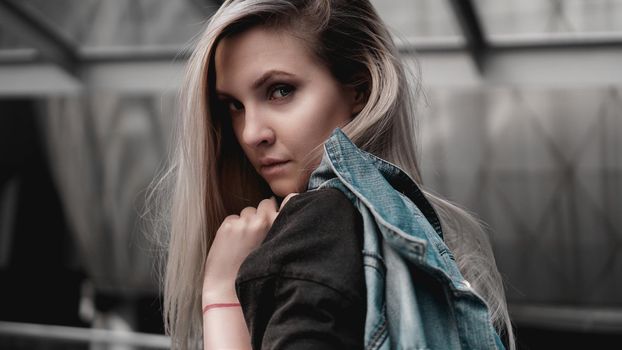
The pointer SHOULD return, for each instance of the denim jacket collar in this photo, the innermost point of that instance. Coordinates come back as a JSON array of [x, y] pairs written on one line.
[[341, 154]]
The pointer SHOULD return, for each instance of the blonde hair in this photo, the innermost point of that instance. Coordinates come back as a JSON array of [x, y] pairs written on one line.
[[192, 196]]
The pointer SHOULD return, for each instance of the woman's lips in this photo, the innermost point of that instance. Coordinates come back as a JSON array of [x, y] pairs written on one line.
[[275, 168]]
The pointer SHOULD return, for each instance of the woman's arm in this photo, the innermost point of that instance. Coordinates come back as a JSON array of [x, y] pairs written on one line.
[[224, 327]]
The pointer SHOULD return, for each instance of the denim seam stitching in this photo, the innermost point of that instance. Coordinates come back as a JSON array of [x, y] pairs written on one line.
[[379, 333]]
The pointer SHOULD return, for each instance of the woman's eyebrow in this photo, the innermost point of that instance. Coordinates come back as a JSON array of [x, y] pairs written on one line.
[[265, 76], [262, 79]]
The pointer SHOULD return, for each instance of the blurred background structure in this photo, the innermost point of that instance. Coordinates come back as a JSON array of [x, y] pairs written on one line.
[[521, 117]]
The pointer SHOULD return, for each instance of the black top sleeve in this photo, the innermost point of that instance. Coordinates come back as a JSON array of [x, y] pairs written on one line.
[[304, 286]]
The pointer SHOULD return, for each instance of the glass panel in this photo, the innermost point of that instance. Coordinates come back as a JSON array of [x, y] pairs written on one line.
[[157, 23], [417, 21], [543, 168], [8, 39], [97, 23], [551, 19]]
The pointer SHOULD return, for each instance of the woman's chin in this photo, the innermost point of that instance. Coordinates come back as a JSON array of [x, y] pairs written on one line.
[[283, 187]]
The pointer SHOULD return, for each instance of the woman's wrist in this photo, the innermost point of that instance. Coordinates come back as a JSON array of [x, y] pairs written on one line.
[[219, 296]]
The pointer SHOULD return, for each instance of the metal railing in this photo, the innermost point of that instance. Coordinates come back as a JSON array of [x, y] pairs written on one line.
[[83, 335]]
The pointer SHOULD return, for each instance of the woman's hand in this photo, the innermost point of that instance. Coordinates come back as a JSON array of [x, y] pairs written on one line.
[[237, 236]]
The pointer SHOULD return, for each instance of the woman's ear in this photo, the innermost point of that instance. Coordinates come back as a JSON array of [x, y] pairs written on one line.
[[357, 99], [360, 100]]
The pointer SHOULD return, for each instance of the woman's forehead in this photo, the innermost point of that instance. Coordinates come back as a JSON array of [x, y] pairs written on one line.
[[244, 57]]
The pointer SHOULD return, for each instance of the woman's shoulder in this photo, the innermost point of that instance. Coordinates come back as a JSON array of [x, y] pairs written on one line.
[[317, 202], [318, 237], [326, 213]]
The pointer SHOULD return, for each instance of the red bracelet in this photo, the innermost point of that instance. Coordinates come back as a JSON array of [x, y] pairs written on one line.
[[213, 306]]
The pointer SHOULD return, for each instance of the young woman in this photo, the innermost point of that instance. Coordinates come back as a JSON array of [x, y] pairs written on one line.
[[261, 250]]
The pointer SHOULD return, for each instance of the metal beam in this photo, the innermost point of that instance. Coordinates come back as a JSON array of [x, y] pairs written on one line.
[[52, 46], [147, 70], [37, 80], [555, 66], [471, 27]]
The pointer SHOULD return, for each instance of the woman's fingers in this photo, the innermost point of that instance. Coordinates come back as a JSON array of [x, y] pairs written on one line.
[[267, 207], [265, 213], [248, 212]]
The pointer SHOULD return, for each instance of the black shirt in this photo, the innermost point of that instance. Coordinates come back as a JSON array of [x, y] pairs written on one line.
[[304, 286]]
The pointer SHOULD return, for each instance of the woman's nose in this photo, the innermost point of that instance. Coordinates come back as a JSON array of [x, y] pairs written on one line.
[[257, 130]]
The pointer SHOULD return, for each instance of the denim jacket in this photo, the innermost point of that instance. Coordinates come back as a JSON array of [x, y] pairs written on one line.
[[416, 296]]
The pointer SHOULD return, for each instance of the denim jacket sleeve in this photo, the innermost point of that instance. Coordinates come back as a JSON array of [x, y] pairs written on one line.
[[303, 287]]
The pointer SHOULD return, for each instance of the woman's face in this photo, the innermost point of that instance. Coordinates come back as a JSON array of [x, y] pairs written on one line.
[[282, 103]]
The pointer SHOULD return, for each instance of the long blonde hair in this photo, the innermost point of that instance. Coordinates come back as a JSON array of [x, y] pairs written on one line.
[[208, 176]]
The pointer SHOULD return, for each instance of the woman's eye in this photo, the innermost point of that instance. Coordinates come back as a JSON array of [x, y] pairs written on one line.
[[281, 91]]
